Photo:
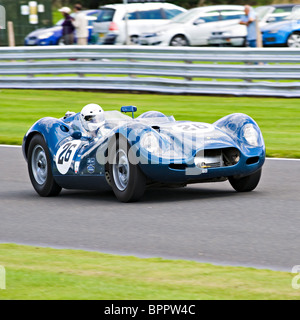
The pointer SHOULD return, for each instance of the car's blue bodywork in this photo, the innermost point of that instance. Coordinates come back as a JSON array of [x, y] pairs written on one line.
[[278, 33], [180, 152], [53, 35]]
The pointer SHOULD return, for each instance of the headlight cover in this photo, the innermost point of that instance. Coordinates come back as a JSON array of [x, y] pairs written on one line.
[[45, 35], [150, 142], [251, 135]]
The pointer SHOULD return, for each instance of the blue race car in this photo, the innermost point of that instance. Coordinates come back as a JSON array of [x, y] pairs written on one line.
[[96, 150], [284, 33], [53, 35]]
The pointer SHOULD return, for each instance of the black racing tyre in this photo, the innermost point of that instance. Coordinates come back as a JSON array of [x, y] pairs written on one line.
[[127, 180], [39, 168], [179, 41], [247, 183]]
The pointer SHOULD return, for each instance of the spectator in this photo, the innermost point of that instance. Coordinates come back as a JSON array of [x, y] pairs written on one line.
[[81, 25], [249, 21], [68, 28]]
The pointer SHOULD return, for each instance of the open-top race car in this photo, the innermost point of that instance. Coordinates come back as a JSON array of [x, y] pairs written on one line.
[[96, 150]]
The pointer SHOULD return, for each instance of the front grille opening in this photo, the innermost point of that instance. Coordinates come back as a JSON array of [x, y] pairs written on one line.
[[252, 160], [216, 158], [231, 156], [178, 166]]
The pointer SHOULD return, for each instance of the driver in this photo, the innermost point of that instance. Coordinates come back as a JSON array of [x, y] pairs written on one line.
[[92, 118]]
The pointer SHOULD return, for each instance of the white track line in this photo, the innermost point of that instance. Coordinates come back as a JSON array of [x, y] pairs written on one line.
[[9, 146], [283, 159]]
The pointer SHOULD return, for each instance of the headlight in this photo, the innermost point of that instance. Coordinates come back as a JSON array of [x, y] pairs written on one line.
[[150, 142], [250, 134], [45, 35], [272, 31]]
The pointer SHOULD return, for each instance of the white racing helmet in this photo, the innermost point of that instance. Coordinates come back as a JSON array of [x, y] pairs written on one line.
[[92, 117]]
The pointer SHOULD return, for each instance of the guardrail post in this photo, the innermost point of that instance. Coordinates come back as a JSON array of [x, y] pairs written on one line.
[[188, 62], [11, 34]]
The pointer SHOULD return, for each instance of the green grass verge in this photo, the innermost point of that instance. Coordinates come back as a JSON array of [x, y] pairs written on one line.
[[279, 119], [44, 273]]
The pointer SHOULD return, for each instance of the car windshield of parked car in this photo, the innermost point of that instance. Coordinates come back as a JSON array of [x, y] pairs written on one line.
[[106, 15], [295, 15], [186, 16], [262, 11], [171, 13]]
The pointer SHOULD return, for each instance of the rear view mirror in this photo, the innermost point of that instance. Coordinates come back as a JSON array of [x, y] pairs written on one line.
[[131, 109], [199, 21], [271, 19]]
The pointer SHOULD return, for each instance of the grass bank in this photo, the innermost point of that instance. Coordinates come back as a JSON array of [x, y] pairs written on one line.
[[44, 273], [279, 119]]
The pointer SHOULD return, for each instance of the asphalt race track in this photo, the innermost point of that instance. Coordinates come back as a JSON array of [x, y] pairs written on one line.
[[203, 222]]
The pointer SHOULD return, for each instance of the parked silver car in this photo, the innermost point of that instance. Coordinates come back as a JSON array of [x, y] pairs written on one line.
[[193, 27], [119, 23]]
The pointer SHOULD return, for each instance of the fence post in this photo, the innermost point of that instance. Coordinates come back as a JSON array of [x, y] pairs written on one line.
[[11, 34]]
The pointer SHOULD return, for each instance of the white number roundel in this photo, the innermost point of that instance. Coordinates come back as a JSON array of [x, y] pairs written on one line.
[[191, 127], [65, 155]]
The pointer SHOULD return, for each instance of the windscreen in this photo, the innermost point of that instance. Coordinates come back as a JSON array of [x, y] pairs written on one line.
[[186, 16], [106, 15]]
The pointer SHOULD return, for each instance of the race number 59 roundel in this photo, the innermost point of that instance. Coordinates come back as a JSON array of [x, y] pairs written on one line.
[[65, 155]]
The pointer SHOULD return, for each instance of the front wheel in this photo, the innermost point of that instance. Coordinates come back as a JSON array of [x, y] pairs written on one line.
[[39, 168], [179, 41], [134, 39], [293, 40], [247, 183], [127, 180]]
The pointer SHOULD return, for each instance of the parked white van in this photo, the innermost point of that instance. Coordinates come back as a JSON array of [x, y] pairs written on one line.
[[110, 26]]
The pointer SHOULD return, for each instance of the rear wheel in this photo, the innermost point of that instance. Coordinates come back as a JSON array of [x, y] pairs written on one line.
[[127, 180], [39, 168], [179, 41], [247, 183], [293, 40]]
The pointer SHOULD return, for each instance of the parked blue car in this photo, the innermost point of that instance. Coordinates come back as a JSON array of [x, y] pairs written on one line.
[[53, 35], [100, 150], [284, 33]]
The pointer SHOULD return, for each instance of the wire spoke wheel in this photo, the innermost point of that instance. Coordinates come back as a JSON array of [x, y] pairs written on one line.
[[127, 180], [39, 168], [121, 170], [39, 164]]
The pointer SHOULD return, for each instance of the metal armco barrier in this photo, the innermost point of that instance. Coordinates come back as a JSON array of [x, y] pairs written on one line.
[[184, 70]]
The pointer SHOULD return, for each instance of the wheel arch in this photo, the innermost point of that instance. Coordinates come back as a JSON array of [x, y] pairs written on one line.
[[27, 141], [289, 35]]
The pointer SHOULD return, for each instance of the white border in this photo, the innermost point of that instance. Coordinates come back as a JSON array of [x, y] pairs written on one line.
[[283, 159]]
